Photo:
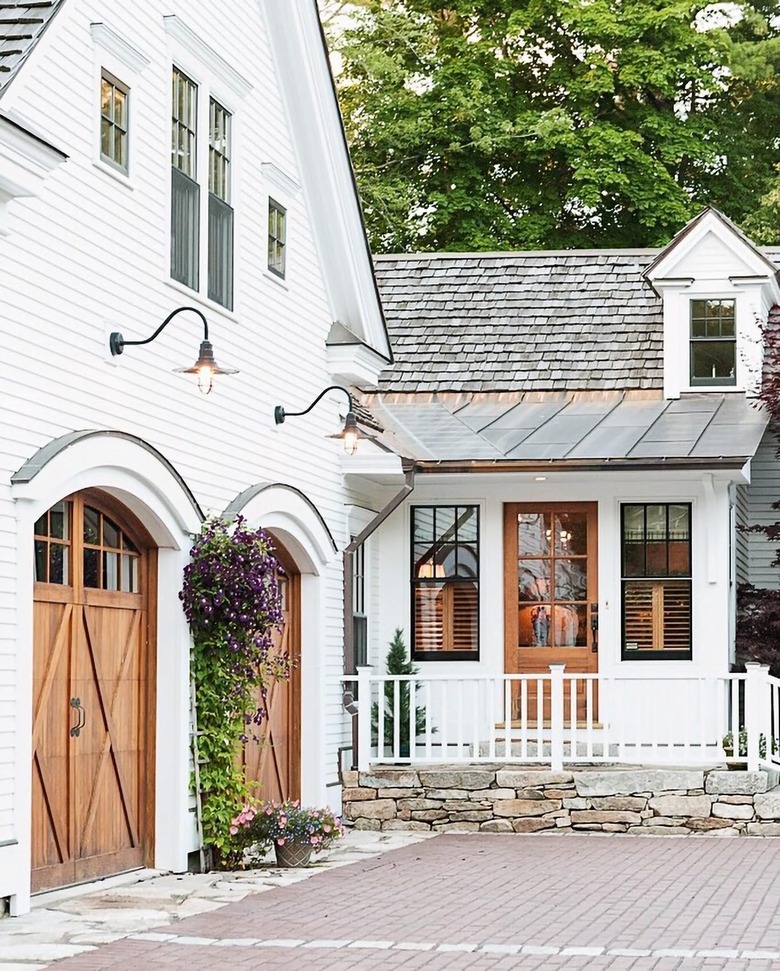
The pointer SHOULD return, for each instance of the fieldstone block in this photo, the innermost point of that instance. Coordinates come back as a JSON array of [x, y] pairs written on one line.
[[627, 782], [708, 824], [681, 805], [566, 792], [731, 831], [525, 807], [564, 822], [490, 794], [349, 779], [530, 794], [450, 793], [367, 824], [390, 778], [576, 803], [767, 804], [556, 814], [399, 793], [464, 805], [352, 795], [429, 815], [614, 828], [419, 803], [661, 821], [496, 826], [415, 825], [456, 827], [763, 829], [730, 783], [736, 800], [458, 778], [371, 809], [659, 830], [472, 816], [727, 811], [620, 803], [532, 825], [603, 816], [514, 779]]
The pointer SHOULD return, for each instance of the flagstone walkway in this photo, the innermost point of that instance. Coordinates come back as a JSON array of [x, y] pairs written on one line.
[[494, 903]]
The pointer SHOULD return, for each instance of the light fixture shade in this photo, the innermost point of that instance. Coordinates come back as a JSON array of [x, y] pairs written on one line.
[[350, 434], [205, 368]]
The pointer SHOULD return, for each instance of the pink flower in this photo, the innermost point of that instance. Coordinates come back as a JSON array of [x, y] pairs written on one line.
[[280, 842], [233, 830], [326, 828]]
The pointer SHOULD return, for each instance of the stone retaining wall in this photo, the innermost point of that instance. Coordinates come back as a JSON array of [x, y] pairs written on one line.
[[501, 799]]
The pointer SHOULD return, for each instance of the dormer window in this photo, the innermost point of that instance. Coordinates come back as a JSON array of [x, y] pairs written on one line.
[[713, 343]]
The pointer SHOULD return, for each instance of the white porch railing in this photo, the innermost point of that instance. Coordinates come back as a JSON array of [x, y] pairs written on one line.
[[558, 718]]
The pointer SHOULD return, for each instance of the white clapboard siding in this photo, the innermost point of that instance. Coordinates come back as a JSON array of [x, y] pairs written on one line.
[[90, 254], [764, 489]]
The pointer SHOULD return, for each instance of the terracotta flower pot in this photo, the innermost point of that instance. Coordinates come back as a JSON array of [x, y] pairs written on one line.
[[293, 854]]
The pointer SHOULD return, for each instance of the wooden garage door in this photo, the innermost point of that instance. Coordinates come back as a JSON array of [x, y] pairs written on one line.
[[273, 762], [92, 761]]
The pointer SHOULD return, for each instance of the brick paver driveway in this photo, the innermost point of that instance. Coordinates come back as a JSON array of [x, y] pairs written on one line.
[[496, 902]]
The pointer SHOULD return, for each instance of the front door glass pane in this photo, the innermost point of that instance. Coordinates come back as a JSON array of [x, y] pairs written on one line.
[[534, 534]]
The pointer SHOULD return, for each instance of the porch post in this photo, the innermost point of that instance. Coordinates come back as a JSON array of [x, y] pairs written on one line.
[[556, 717], [364, 717], [756, 702]]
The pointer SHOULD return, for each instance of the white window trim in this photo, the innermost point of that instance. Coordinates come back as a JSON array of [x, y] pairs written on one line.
[[115, 55], [200, 52], [210, 85]]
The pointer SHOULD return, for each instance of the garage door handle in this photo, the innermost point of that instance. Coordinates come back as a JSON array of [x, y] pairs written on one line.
[[81, 715]]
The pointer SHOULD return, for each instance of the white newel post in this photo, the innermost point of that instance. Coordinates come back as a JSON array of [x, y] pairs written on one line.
[[556, 717], [756, 710], [364, 717]]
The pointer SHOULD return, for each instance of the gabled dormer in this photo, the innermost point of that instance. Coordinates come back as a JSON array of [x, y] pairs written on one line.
[[717, 289]]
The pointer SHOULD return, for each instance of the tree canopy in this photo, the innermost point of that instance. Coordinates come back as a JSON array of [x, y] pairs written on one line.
[[496, 124]]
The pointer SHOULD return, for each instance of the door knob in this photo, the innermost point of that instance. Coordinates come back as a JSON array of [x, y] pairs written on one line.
[[81, 717]]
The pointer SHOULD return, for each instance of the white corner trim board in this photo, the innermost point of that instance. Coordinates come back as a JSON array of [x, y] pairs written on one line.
[[217, 65]]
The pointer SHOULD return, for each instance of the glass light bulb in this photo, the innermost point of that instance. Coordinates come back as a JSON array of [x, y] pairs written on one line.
[[350, 442], [205, 379]]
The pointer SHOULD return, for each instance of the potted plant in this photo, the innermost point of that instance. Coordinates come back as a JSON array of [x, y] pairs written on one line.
[[295, 831]]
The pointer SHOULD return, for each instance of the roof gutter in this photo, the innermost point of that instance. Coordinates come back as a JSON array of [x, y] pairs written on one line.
[[581, 465]]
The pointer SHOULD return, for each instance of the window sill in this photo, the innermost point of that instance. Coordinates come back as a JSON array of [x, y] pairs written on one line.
[[196, 297], [280, 281], [711, 389], [114, 174]]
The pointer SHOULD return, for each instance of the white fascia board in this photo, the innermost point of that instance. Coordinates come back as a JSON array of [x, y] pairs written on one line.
[[25, 161], [355, 364], [370, 462], [677, 251], [326, 171]]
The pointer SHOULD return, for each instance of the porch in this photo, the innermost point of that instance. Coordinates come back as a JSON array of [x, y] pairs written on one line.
[[560, 719]]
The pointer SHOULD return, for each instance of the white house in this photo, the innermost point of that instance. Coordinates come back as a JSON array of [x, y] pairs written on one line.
[[155, 157], [580, 442]]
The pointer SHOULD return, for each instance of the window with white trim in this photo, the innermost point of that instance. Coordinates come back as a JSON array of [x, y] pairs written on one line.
[[713, 343], [186, 218], [277, 238], [114, 121]]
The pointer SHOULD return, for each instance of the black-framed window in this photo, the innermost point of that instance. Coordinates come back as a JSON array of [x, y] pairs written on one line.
[[657, 581], [713, 343], [445, 583], [114, 121], [185, 191], [220, 240], [277, 238]]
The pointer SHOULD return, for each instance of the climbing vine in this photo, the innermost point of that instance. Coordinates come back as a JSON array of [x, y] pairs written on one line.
[[231, 596]]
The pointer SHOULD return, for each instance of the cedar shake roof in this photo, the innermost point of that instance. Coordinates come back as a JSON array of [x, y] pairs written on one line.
[[527, 321], [21, 25]]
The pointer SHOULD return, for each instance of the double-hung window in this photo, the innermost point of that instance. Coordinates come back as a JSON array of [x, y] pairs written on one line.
[[277, 238], [445, 582], [186, 218], [713, 343], [359, 615], [657, 583], [114, 98]]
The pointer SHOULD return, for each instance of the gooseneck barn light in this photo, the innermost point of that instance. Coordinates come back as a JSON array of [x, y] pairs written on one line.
[[349, 434], [205, 367]]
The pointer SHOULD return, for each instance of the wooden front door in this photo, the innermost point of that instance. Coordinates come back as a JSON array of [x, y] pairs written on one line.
[[93, 698], [272, 763], [551, 597]]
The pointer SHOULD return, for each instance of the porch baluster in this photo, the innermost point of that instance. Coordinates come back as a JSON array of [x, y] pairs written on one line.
[[364, 718], [556, 717]]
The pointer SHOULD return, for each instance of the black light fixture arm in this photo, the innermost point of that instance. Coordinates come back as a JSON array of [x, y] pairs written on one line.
[[280, 414], [117, 343]]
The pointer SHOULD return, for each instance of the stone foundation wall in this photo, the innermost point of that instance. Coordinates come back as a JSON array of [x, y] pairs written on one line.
[[501, 799]]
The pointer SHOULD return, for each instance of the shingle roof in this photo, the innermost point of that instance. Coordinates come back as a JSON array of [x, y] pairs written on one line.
[[21, 24], [598, 429], [526, 321]]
